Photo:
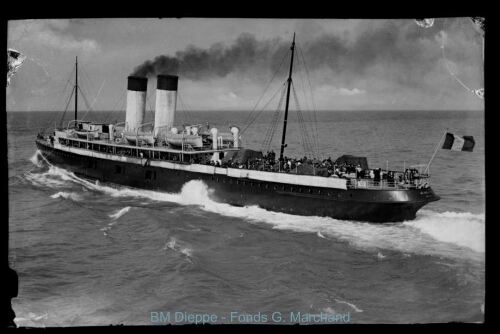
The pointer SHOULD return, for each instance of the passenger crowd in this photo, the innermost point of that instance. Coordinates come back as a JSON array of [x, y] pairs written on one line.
[[327, 168]]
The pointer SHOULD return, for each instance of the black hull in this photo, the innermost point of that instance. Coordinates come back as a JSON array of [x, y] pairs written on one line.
[[351, 204]]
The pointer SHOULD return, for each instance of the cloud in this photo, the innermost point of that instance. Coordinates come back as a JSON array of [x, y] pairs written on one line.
[[331, 90], [51, 34], [228, 97], [351, 92]]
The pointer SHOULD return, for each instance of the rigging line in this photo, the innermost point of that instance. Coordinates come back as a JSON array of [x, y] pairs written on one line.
[[300, 117], [312, 101], [277, 118], [59, 101], [118, 101], [274, 123], [66, 109], [88, 109], [63, 91], [85, 86], [305, 138], [263, 108], [87, 78], [186, 111], [265, 90], [98, 94], [92, 112], [186, 114], [81, 87], [312, 151], [302, 80]]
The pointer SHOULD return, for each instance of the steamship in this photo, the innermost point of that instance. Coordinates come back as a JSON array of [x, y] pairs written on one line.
[[162, 157]]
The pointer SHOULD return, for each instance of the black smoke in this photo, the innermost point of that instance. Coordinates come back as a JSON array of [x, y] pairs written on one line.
[[399, 45], [194, 63]]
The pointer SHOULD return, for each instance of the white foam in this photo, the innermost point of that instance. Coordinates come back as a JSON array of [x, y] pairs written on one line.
[[68, 195], [463, 229], [119, 213], [107, 228], [34, 159], [186, 251], [350, 304], [450, 234], [44, 179], [173, 245]]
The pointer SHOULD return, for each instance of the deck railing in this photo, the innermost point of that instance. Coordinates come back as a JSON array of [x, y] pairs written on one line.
[[399, 180], [405, 182]]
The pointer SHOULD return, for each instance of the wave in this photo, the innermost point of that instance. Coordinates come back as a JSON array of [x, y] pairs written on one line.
[[35, 160], [68, 195], [463, 229], [114, 217], [119, 213], [172, 244], [450, 234], [350, 304]]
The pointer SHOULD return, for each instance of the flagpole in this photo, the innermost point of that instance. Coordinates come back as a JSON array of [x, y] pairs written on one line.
[[426, 169]]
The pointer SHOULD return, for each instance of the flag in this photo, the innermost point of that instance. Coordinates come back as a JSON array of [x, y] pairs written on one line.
[[458, 143]]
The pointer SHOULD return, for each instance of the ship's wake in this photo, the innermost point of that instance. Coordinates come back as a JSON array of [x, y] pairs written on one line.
[[448, 234]]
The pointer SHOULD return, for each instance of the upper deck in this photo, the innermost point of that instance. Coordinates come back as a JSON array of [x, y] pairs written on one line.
[[201, 160]]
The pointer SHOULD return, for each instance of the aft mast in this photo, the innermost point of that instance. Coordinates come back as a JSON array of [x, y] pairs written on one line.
[[287, 100], [76, 88]]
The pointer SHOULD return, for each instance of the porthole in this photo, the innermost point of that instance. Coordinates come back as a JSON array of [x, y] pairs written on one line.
[[267, 186], [283, 188], [291, 189], [310, 191], [320, 192], [329, 193]]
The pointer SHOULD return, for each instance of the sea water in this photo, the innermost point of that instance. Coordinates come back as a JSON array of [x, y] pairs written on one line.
[[88, 254]]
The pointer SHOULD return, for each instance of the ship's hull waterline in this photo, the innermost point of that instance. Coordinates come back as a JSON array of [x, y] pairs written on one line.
[[395, 205]]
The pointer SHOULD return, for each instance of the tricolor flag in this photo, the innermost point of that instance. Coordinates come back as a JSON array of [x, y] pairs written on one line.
[[457, 143]]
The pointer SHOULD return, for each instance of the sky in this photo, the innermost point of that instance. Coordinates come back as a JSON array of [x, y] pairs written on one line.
[[226, 64]]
